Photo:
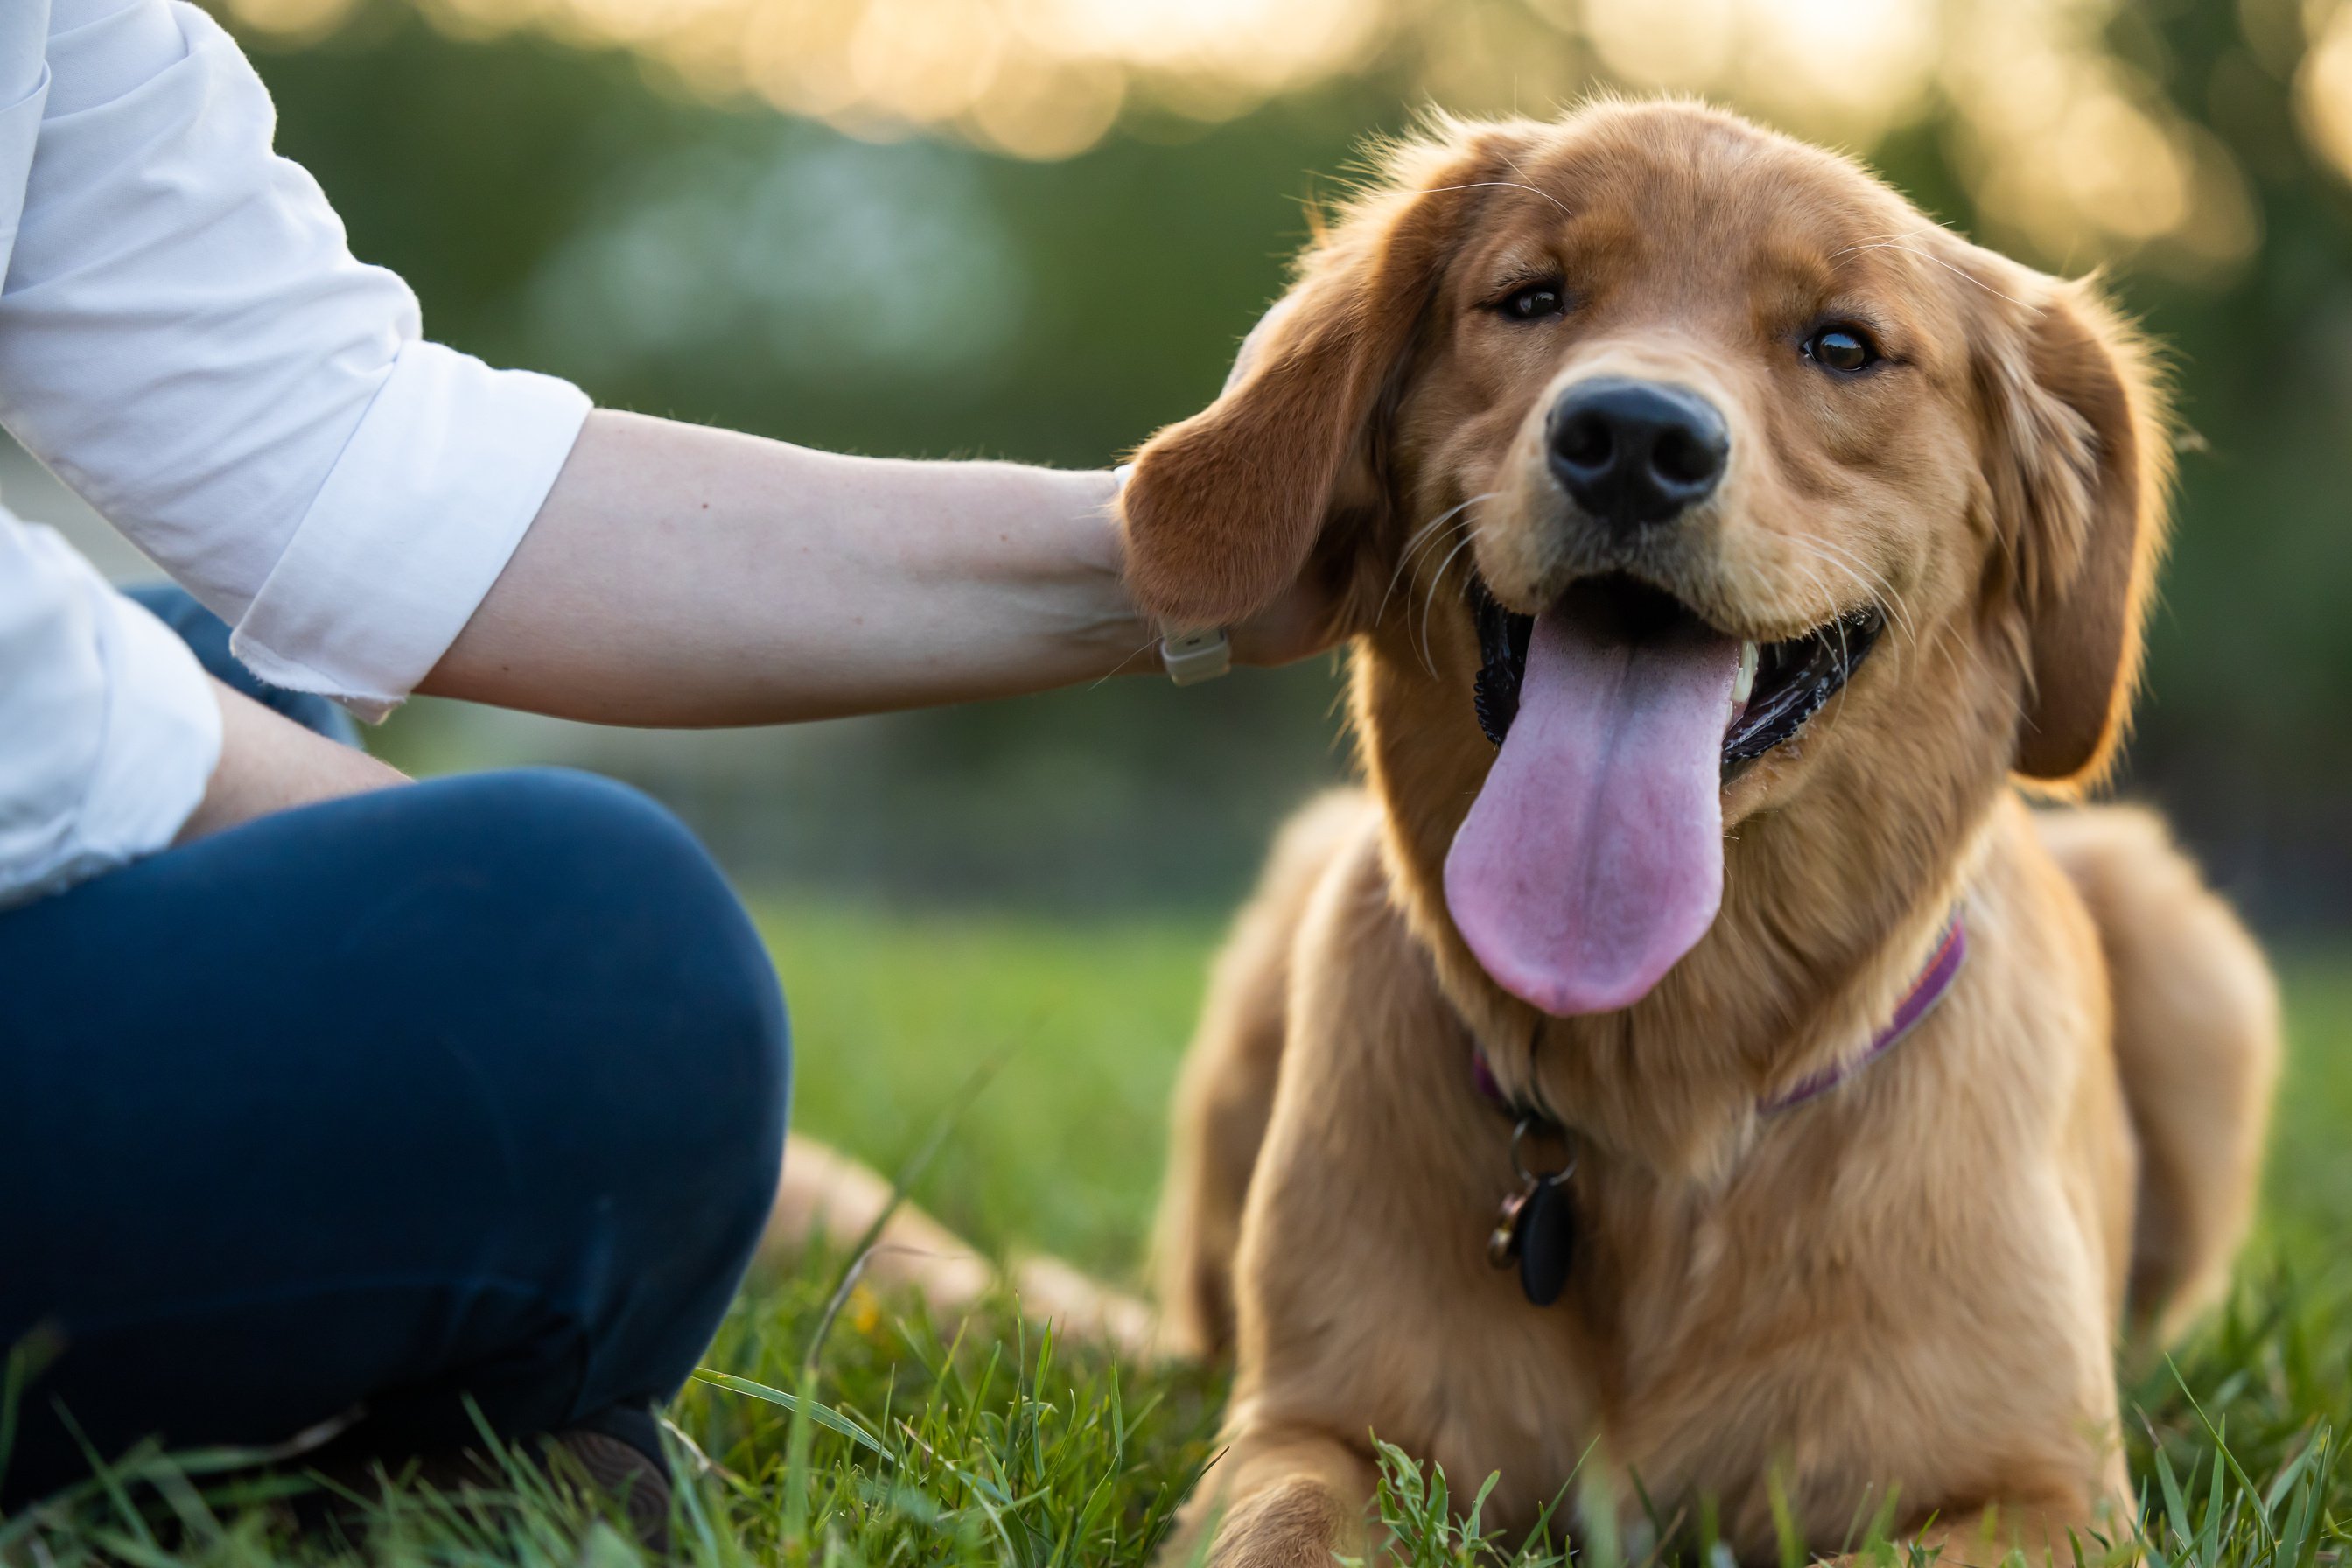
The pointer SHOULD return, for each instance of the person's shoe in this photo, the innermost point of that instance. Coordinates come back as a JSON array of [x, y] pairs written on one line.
[[618, 1469], [595, 1465]]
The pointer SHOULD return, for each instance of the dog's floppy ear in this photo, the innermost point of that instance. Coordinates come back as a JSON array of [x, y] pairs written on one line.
[[2081, 468], [1225, 509]]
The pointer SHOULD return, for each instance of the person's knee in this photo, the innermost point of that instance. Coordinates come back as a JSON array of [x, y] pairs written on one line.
[[681, 1064], [625, 892], [655, 954]]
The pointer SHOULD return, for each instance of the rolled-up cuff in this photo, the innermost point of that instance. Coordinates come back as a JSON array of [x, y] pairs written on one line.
[[417, 519]]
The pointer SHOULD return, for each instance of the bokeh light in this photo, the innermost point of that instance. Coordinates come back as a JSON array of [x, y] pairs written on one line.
[[2324, 85], [2070, 152], [1035, 229]]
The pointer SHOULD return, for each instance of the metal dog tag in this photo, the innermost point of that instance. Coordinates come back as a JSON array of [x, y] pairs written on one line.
[[1536, 1225], [1547, 1240], [1503, 1241]]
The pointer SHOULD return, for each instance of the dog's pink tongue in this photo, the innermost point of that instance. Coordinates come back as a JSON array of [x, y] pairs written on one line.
[[1593, 859]]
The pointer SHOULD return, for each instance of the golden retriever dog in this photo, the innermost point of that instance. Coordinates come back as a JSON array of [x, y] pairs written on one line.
[[1688, 1057]]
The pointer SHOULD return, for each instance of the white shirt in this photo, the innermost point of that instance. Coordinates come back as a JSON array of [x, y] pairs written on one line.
[[186, 340]]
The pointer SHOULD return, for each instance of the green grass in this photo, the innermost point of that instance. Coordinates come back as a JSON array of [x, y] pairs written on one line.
[[1048, 1051], [1077, 1028]]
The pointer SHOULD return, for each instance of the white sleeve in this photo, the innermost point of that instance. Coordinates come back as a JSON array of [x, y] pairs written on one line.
[[112, 730], [186, 340]]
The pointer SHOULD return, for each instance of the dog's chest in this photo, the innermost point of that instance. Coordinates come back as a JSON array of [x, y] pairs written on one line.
[[1671, 1369]]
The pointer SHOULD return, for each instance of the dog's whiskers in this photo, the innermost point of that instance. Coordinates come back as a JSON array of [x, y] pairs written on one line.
[[1426, 534], [1873, 583], [1829, 715], [1146, 646], [1943, 647], [1429, 601], [1505, 186], [1424, 538]]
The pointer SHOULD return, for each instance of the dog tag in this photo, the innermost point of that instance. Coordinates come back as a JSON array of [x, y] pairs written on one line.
[[1546, 1237], [1536, 1225], [1503, 1241]]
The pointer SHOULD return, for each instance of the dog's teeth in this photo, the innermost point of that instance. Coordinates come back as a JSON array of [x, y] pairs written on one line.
[[1745, 682]]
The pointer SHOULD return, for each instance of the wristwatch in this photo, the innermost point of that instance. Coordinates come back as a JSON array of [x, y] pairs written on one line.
[[1193, 653], [1189, 654]]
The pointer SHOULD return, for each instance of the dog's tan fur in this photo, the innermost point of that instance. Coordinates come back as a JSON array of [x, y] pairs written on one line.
[[2196, 1033], [1910, 1289]]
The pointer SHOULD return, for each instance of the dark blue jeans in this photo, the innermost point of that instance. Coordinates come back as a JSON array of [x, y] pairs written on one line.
[[467, 1092]]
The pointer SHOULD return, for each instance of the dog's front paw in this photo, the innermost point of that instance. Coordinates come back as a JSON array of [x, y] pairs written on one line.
[[1296, 1524]]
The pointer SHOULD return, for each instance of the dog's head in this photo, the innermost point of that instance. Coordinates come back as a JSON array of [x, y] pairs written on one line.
[[1713, 471]]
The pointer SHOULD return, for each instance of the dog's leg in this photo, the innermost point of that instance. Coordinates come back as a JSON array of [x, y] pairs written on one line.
[[825, 1194], [2195, 1042], [1278, 1497], [1227, 1087], [2044, 1532]]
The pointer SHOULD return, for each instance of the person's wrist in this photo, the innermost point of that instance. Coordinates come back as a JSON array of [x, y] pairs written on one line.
[[1187, 655], [1120, 638]]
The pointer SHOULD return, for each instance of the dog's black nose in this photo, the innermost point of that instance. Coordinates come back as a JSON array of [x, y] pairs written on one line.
[[1633, 453]]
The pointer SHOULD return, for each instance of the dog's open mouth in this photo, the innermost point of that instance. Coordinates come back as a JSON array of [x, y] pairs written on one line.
[[1593, 859], [1792, 680], [1776, 686]]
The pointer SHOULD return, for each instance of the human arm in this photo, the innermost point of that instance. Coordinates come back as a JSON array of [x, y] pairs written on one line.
[[679, 576], [269, 763], [189, 342]]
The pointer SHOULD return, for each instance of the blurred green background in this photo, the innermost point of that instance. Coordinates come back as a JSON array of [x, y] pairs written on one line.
[[1036, 228]]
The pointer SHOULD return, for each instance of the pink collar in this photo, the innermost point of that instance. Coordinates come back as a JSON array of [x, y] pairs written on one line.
[[1942, 968], [1934, 980]]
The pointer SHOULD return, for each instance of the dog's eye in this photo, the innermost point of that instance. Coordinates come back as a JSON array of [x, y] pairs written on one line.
[[1846, 349], [1531, 302]]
